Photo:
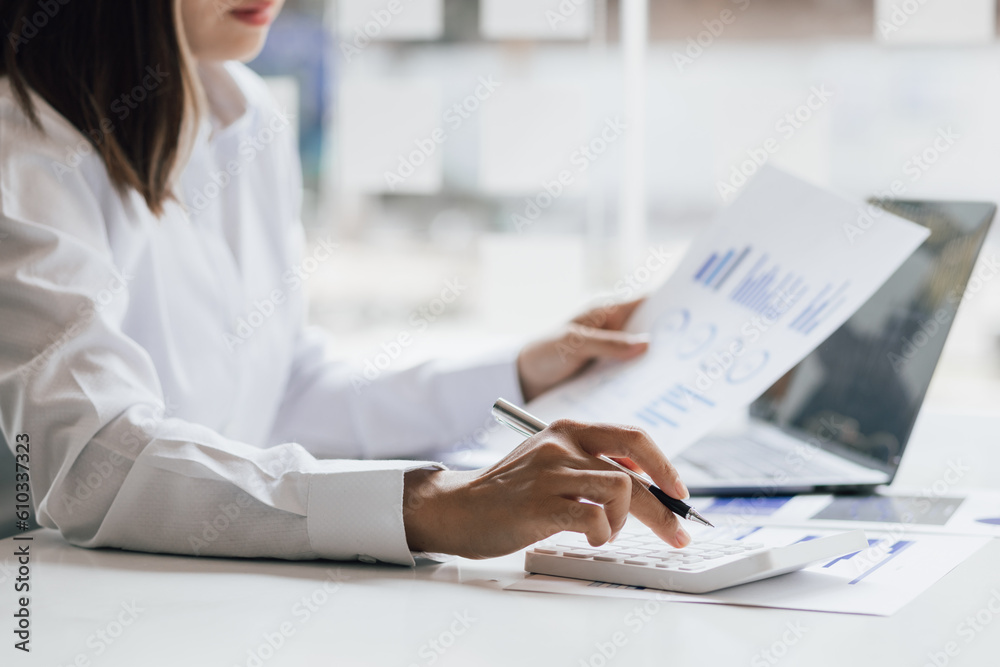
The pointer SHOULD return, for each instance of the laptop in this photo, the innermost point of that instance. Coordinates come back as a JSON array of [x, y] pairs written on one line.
[[839, 421]]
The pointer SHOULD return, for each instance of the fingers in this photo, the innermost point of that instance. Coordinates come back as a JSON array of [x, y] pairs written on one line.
[[622, 311], [628, 463], [609, 488], [626, 441], [658, 517], [592, 342], [591, 520], [613, 316]]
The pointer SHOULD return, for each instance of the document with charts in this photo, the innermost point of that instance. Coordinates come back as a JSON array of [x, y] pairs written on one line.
[[777, 273]]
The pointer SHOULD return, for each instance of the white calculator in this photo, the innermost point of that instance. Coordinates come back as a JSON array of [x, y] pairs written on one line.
[[710, 562]]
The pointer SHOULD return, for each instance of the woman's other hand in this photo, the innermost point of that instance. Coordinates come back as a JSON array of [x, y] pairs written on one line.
[[596, 334]]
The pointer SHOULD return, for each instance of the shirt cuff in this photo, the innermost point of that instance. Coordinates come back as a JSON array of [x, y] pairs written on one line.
[[355, 511]]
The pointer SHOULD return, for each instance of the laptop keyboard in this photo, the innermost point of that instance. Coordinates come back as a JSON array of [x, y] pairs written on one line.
[[742, 458]]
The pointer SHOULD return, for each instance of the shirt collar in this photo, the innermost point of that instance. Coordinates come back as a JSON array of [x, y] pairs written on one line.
[[228, 106]]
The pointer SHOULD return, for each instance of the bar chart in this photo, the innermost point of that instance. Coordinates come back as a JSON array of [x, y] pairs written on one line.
[[825, 303], [764, 288], [719, 267], [664, 408]]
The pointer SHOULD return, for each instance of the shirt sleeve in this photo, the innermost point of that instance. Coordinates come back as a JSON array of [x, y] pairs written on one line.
[[334, 410], [108, 468]]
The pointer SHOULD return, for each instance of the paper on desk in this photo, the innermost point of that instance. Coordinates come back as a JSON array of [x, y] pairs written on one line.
[[927, 510], [893, 571], [775, 275]]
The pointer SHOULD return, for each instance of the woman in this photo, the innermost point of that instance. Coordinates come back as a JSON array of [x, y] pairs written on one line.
[[148, 205]]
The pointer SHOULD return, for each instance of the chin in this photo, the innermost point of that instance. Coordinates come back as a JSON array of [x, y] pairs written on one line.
[[243, 47]]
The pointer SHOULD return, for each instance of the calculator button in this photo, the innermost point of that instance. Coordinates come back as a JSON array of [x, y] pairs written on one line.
[[608, 558], [638, 561], [578, 554], [754, 545], [546, 550], [709, 555], [694, 567]]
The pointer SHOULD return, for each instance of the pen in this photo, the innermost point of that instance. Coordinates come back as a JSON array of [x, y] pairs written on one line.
[[527, 424]]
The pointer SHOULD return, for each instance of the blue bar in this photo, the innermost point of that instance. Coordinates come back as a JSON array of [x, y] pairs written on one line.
[[725, 260], [654, 414], [818, 322], [741, 290], [774, 292], [754, 296], [725, 276], [705, 267], [750, 285], [668, 401], [833, 562], [684, 391], [808, 311], [896, 549]]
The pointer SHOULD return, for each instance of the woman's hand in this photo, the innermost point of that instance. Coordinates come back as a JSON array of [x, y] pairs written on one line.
[[538, 490], [594, 335]]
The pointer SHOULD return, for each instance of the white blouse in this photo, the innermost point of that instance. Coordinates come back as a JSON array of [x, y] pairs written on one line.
[[173, 398]]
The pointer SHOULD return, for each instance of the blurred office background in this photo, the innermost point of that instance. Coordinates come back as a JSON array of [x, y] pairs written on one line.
[[901, 90], [855, 94]]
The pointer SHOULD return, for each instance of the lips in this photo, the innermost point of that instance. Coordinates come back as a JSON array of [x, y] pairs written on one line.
[[254, 13]]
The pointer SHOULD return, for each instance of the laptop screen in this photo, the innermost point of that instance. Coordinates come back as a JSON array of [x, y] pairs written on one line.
[[859, 392]]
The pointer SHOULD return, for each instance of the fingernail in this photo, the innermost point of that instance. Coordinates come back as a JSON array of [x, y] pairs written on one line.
[[639, 339], [682, 537], [681, 491]]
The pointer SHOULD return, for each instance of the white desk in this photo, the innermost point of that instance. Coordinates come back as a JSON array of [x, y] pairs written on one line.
[[211, 612]]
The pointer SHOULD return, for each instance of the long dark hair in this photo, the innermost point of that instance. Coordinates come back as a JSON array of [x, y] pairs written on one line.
[[118, 70]]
